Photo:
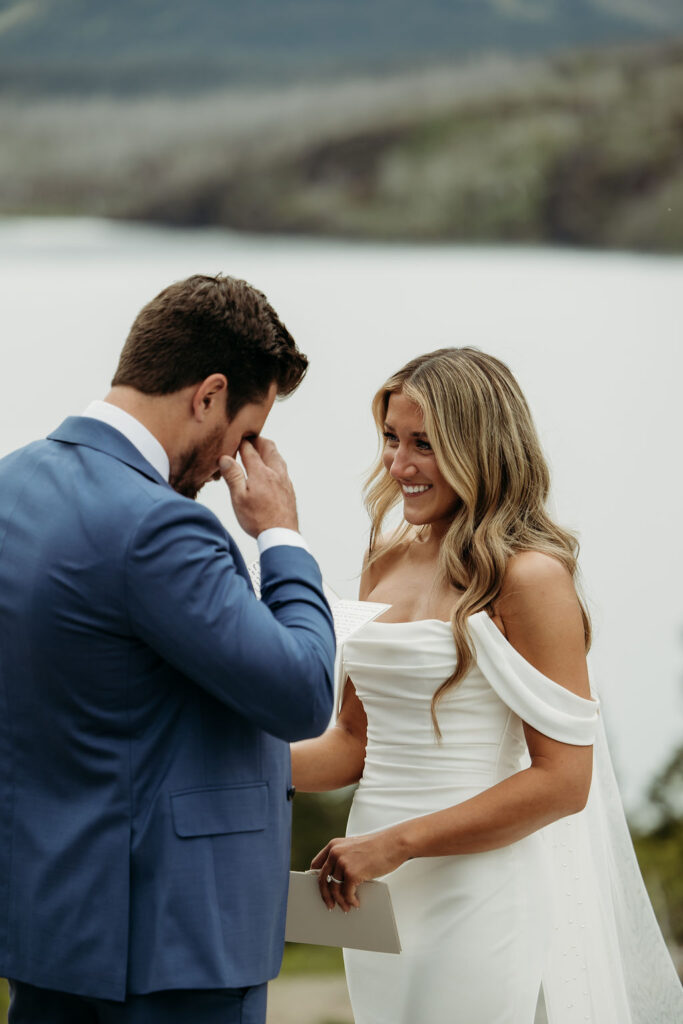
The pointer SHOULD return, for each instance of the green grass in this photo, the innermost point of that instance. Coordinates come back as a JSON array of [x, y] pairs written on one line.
[[305, 959], [4, 999]]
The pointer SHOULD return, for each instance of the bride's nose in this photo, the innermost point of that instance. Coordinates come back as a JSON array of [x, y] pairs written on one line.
[[402, 468]]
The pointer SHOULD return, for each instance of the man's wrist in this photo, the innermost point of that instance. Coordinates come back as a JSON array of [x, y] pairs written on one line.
[[280, 535]]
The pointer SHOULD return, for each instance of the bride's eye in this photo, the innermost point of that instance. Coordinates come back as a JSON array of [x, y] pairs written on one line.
[[423, 446], [389, 437]]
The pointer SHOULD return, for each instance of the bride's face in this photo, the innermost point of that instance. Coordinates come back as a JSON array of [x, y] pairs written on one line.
[[408, 456]]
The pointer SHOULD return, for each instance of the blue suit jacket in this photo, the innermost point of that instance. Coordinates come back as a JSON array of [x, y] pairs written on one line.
[[146, 701]]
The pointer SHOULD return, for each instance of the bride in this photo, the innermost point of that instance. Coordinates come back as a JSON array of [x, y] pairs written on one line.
[[469, 721]]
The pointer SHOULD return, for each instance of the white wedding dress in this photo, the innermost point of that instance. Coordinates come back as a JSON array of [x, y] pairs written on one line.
[[564, 908]]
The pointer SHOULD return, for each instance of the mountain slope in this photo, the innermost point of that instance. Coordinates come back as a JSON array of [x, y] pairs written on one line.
[[581, 149], [167, 43]]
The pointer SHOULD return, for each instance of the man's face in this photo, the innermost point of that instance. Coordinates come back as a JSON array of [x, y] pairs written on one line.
[[199, 464]]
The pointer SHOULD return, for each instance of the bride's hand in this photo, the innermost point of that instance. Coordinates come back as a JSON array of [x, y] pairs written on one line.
[[355, 860]]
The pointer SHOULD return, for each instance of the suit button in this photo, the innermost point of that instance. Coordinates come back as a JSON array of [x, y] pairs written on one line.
[[290, 792]]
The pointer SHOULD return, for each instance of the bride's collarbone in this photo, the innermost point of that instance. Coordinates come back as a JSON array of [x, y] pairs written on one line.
[[414, 590], [411, 607], [410, 604]]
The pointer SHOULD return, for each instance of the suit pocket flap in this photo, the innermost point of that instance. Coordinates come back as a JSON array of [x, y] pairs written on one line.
[[220, 809]]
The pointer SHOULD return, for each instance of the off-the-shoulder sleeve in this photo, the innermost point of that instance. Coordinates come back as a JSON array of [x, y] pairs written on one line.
[[544, 704]]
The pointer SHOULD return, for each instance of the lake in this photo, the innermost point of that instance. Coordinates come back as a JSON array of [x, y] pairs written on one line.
[[596, 341]]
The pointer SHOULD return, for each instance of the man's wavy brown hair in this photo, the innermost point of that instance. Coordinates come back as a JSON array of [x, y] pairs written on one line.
[[206, 325]]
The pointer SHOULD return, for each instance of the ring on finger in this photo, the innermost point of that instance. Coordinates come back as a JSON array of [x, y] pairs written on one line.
[[337, 881]]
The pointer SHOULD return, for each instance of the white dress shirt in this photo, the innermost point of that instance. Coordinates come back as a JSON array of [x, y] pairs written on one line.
[[154, 453], [134, 431]]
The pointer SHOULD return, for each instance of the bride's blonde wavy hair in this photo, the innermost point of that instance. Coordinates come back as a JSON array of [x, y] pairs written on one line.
[[485, 444]]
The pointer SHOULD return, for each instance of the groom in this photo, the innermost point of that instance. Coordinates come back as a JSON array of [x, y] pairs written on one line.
[[146, 697]]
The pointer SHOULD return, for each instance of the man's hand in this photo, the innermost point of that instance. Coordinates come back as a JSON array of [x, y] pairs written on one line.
[[265, 496]]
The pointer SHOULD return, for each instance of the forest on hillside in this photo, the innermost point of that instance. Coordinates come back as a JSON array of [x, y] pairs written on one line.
[[582, 149]]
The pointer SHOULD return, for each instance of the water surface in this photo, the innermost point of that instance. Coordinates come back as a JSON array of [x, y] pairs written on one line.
[[596, 341]]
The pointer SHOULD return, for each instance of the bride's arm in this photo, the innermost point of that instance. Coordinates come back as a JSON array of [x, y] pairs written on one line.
[[542, 620], [336, 758]]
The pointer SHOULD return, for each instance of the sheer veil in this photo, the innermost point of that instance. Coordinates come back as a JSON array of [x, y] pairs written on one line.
[[607, 962]]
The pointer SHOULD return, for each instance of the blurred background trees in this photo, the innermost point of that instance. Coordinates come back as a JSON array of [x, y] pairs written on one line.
[[505, 120], [660, 853]]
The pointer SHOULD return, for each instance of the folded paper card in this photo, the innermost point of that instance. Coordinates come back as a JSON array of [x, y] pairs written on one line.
[[372, 926]]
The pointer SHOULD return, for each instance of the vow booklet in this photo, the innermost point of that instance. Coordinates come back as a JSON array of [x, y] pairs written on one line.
[[348, 615], [372, 926]]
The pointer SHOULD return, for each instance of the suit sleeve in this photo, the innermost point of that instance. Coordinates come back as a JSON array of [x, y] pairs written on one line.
[[270, 660]]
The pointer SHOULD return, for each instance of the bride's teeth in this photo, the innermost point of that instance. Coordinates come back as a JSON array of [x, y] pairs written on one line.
[[416, 490]]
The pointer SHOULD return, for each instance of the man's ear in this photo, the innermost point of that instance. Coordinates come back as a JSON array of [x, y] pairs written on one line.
[[207, 395]]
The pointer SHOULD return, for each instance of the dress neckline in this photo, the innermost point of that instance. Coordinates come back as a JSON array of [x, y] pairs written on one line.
[[417, 622], [504, 645]]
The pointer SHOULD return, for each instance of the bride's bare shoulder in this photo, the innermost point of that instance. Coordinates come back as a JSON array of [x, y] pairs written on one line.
[[536, 575], [538, 602]]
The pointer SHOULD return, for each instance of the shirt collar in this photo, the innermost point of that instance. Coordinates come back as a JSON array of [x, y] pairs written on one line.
[[138, 435]]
